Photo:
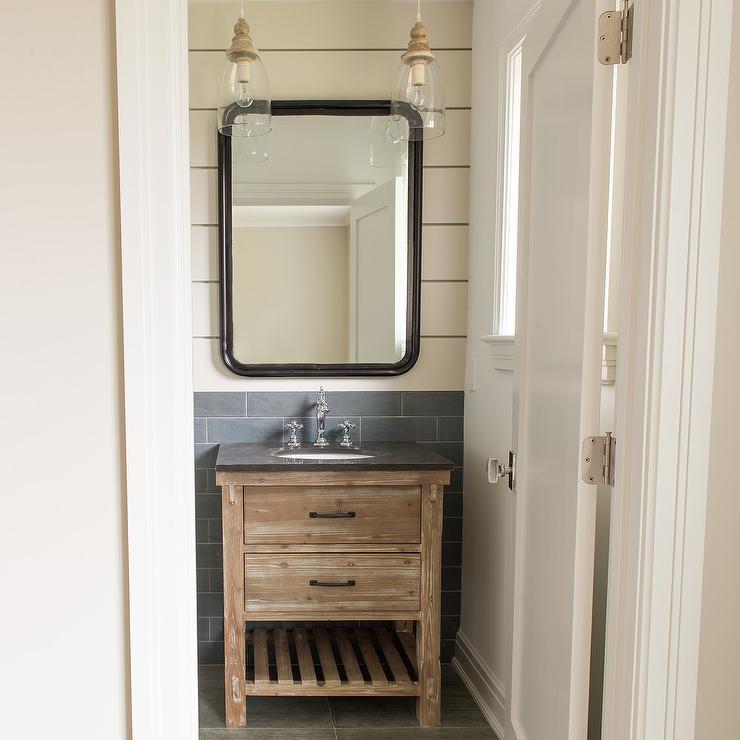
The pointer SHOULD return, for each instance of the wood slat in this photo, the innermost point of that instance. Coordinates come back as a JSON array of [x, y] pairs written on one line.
[[370, 656], [408, 641], [261, 663], [282, 657], [349, 659], [344, 689], [305, 659], [326, 658], [400, 674]]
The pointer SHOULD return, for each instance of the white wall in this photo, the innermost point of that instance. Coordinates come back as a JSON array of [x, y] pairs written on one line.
[[718, 710], [64, 650], [348, 50], [488, 515]]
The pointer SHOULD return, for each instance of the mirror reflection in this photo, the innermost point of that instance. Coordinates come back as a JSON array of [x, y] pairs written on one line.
[[319, 242]]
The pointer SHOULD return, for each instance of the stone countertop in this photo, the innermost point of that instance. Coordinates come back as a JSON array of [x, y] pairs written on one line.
[[387, 456]]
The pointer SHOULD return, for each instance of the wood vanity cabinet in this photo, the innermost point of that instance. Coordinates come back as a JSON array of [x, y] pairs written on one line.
[[334, 546]]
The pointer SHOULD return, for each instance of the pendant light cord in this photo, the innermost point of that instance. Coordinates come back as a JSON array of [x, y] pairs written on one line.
[[241, 9], [418, 10]]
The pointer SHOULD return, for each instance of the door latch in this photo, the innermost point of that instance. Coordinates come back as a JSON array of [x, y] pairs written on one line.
[[496, 470]]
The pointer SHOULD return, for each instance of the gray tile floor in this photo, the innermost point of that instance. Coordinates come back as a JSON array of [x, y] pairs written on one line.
[[341, 718]]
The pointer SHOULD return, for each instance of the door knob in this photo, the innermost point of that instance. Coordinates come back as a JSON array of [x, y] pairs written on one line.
[[496, 470]]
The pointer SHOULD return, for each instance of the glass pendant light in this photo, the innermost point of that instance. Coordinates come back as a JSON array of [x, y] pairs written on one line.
[[244, 106], [418, 98]]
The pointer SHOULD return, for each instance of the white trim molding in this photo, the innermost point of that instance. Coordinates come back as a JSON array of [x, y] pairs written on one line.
[[502, 351], [152, 77], [673, 199], [487, 691]]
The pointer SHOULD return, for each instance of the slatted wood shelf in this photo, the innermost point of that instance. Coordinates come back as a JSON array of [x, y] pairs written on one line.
[[332, 661]]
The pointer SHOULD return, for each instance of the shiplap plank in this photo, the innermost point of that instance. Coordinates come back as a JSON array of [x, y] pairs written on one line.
[[205, 309], [450, 150], [204, 252], [444, 309], [446, 196], [444, 253], [203, 138], [331, 75], [203, 197], [329, 25], [441, 366]]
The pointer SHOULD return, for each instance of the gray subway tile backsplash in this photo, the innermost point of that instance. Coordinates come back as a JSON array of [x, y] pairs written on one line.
[[296, 404], [433, 403], [263, 431], [430, 417], [450, 429], [399, 428], [199, 430], [220, 404]]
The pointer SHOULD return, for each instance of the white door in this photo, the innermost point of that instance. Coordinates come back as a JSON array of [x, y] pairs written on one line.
[[560, 288], [378, 274]]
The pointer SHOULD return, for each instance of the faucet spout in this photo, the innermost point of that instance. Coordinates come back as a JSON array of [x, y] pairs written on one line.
[[322, 409]]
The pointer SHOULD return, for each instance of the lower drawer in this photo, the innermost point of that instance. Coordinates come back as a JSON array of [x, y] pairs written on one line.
[[329, 584]]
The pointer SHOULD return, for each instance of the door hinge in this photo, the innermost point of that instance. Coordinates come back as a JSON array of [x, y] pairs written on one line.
[[597, 460], [615, 35]]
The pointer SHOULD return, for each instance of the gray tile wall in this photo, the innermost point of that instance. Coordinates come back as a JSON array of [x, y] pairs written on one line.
[[433, 418]]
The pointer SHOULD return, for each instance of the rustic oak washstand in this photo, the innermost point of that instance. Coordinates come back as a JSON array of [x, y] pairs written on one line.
[[332, 541]]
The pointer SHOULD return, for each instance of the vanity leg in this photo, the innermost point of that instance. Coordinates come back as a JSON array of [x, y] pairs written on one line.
[[234, 642], [428, 630]]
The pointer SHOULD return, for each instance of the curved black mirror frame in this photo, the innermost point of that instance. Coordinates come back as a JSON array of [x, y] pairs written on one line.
[[413, 305]]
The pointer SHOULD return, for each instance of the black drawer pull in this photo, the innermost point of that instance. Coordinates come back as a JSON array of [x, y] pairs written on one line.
[[331, 584], [338, 515]]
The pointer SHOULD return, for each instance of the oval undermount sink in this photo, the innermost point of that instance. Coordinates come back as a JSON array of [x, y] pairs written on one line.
[[319, 453]]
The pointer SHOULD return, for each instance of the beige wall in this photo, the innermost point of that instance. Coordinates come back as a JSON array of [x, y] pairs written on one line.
[[348, 50], [304, 316], [718, 709], [63, 664]]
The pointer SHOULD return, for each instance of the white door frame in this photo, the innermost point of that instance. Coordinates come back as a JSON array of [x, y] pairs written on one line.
[[673, 206], [152, 77], [666, 349]]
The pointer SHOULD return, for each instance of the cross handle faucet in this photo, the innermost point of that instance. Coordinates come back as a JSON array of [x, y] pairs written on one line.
[[322, 409]]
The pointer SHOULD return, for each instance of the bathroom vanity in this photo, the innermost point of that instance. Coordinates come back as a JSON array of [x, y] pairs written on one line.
[[321, 538]]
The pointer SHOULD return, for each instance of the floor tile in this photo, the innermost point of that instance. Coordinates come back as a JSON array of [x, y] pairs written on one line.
[[373, 711], [275, 712], [267, 734], [384, 733]]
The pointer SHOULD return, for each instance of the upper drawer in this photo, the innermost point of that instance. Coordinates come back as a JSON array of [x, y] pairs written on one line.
[[341, 514]]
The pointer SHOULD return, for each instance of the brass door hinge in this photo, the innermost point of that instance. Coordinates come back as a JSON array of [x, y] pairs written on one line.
[[615, 35], [597, 460]]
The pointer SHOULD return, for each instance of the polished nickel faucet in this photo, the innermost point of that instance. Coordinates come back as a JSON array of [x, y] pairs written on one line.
[[322, 409]]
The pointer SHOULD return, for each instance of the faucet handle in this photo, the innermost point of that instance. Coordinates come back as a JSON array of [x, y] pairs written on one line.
[[346, 426], [294, 426]]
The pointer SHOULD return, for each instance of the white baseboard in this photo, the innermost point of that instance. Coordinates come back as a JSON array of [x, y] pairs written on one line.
[[484, 687]]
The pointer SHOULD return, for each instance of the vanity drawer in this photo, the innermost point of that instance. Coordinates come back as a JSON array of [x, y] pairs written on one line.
[[293, 584], [337, 514]]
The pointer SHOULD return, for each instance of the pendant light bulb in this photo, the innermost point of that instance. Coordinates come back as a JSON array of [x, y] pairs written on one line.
[[245, 106], [418, 95]]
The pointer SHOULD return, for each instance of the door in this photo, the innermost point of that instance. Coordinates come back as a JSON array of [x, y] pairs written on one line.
[[378, 274], [564, 169]]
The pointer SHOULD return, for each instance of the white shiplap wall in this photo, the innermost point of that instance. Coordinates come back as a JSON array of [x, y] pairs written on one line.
[[335, 50]]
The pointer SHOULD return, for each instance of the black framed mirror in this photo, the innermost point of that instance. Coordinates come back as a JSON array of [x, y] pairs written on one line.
[[320, 243]]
